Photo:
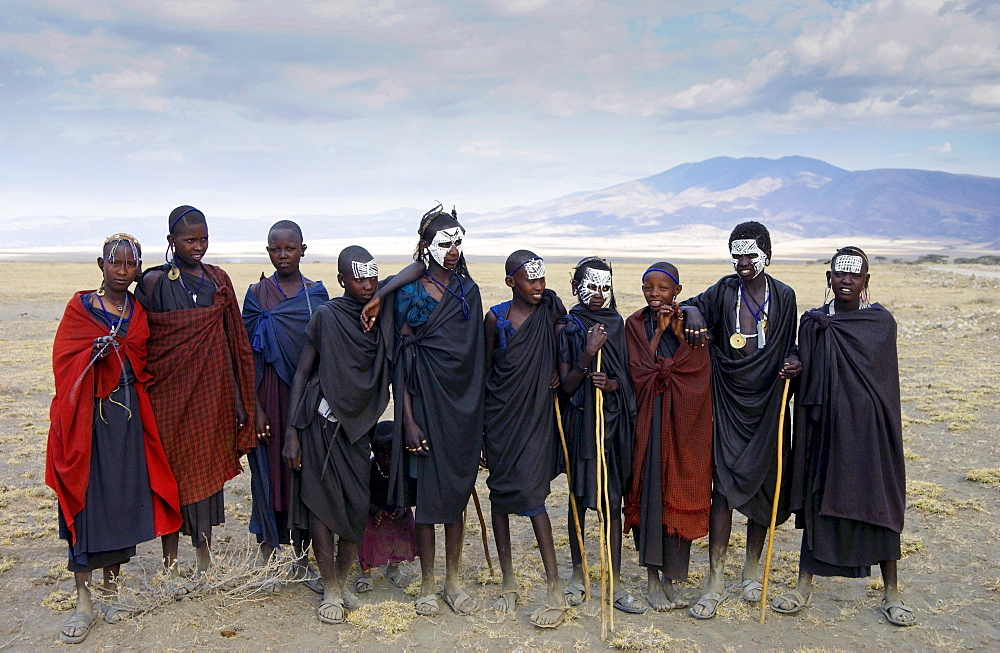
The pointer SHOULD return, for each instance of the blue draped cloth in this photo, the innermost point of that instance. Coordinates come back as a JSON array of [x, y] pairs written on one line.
[[278, 335], [505, 328]]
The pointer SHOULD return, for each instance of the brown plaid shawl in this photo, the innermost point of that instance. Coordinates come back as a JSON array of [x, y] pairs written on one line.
[[685, 463], [192, 355]]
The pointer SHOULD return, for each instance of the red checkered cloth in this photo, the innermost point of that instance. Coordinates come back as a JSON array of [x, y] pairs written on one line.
[[192, 356], [684, 381]]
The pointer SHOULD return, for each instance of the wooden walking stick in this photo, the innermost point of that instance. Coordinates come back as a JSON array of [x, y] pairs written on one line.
[[482, 529], [572, 501], [604, 521], [774, 504]]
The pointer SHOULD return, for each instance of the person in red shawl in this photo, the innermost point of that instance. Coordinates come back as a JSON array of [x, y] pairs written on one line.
[[104, 458], [203, 388], [668, 503]]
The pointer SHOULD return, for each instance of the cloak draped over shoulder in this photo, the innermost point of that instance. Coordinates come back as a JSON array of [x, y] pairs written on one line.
[[521, 439], [71, 414], [848, 435], [746, 398], [579, 411], [193, 355], [441, 364], [683, 383]]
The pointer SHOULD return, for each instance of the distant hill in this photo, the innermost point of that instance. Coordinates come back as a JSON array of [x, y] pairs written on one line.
[[796, 195]]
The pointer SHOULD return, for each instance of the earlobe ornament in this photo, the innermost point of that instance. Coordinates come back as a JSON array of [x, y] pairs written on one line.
[[174, 274], [100, 291]]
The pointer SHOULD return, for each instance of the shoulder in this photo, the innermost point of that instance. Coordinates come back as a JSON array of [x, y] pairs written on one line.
[[491, 318], [219, 272], [781, 287], [151, 276], [637, 316]]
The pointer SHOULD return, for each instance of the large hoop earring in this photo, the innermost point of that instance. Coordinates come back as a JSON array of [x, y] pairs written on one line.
[[100, 291], [826, 294]]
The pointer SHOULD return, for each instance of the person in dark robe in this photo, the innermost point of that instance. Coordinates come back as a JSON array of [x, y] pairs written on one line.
[[749, 320], [593, 325], [339, 392], [668, 503], [390, 538], [276, 311], [848, 487], [203, 378], [520, 440], [438, 385], [104, 458]]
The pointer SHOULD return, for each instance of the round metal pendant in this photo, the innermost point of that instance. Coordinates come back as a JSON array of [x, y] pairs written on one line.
[[737, 341], [174, 274]]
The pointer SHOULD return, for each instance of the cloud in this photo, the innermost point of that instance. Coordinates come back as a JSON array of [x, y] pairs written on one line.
[[944, 148]]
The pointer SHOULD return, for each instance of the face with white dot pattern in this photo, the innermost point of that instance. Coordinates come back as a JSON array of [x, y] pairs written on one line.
[[444, 240]]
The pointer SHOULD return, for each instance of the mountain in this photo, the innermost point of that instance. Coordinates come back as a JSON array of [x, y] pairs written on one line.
[[796, 195]]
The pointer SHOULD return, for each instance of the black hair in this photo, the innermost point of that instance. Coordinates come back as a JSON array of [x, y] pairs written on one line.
[[349, 254], [432, 222], [670, 268], [286, 225], [517, 259], [596, 263], [188, 215], [754, 230], [382, 437]]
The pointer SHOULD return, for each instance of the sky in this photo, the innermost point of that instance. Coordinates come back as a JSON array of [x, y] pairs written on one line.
[[278, 108]]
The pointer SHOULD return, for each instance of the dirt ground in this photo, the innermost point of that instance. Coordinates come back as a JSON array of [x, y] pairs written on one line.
[[949, 348]]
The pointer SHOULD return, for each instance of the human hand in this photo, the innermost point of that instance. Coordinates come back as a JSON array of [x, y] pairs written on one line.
[[791, 368], [596, 337], [241, 415], [397, 514], [603, 382], [291, 453], [102, 347], [677, 321], [262, 427], [415, 440], [554, 380], [370, 312], [695, 327]]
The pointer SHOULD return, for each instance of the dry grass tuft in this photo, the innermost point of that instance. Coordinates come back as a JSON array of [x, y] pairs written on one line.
[[6, 564], [986, 475], [386, 620], [413, 589], [908, 545], [650, 638], [60, 601]]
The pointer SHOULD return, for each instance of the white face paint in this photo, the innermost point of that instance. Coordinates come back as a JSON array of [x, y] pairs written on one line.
[[443, 241], [749, 248], [535, 269], [364, 270], [848, 263], [594, 282]]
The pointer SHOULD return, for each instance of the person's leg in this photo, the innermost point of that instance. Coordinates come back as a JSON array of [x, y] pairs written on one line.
[[169, 545], [750, 586], [575, 590], [542, 526], [460, 601], [76, 628], [347, 553], [331, 608], [501, 533], [654, 594], [623, 598], [720, 526], [425, 547], [892, 602], [203, 555]]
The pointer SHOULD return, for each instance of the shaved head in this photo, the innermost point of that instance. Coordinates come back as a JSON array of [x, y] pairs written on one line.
[[286, 225], [516, 259], [355, 254]]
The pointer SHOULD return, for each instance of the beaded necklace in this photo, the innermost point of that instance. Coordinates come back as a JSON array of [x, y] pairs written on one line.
[[466, 309], [193, 293], [274, 279]]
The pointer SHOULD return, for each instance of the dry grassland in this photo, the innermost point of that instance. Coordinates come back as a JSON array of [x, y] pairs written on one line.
[[949, 348]]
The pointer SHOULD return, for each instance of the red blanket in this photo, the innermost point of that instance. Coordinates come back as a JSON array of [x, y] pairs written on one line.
[[71, 415], [685, 463], [193, 355]]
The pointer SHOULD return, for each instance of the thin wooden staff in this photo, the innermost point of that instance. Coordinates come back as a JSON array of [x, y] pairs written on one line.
[[774, 504], [604, 521], [482, 529], [572, 501], [607, 513]]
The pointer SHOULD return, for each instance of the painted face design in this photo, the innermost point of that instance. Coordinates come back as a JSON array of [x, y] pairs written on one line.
[[749, 247], [848, 263], [594, 282], [535, 269], [364, 270], [443, 241]]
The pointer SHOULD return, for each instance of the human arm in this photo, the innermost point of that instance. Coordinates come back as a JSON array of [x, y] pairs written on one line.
[[572, 374], [409, 274], [291, 453], [413, 437], [261, 424], [490, 333]]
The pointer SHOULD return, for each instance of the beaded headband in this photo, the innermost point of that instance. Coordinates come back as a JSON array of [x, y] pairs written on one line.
[[660, 270]]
